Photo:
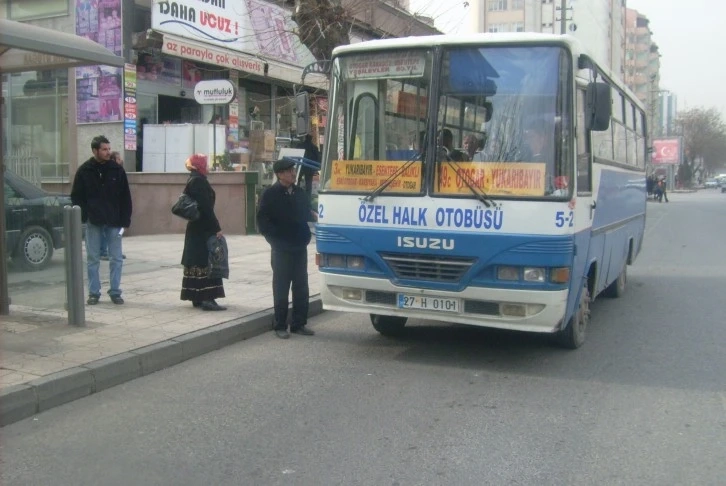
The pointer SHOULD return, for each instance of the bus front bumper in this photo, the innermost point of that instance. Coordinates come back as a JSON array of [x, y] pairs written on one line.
[[519, 310]]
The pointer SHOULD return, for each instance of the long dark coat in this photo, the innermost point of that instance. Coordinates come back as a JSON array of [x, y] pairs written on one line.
[[195, 239]]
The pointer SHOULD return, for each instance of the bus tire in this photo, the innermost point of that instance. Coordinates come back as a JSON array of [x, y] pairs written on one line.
[[388, 325], [573, 336], [616, 289]]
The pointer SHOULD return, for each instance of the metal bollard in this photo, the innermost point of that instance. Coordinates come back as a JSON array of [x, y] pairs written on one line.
[[73, 234]]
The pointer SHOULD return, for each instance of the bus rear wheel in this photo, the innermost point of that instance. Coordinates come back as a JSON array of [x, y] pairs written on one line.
[[616, 289], [388, 325], [573, 336]]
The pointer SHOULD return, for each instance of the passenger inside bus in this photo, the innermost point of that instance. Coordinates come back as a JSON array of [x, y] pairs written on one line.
[[446, 140], [473, 146]]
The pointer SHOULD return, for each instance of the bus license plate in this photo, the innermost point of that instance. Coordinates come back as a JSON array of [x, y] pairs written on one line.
[[428, 303]]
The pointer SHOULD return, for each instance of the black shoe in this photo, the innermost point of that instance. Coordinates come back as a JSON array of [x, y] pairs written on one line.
[[92, 300], [196, 304], [282, 334], [116, 299], [210, 305], [303, 331]]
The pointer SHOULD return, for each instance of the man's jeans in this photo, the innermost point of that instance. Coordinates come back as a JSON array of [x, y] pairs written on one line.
[[93, 257]]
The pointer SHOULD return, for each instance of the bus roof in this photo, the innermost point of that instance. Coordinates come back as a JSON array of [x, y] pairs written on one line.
[[460, 39], [503, 38]]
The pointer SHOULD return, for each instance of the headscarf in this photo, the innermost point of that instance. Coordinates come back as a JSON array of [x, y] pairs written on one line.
[[197, 162]]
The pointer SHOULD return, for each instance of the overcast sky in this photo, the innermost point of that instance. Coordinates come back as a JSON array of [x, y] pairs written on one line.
[[689, 35]]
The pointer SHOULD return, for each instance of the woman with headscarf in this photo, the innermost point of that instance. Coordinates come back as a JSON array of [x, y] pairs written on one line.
[[197, 286]]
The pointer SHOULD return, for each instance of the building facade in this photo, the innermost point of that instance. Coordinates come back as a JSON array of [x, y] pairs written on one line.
[[169, 46], [668, 110], [598, 24], [642, 66]]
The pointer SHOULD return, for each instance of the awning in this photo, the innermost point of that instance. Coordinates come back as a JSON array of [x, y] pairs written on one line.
[[25, 47]]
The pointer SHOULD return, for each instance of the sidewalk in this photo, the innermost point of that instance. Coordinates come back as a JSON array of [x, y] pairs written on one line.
[[44, 362]]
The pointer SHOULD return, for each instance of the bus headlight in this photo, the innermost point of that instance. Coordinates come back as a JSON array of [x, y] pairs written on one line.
[[331, 260], [336, 261], [508, 273], [534, 274], [356, 262]]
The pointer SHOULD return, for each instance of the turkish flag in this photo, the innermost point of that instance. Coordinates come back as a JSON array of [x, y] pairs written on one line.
[[667, 151]]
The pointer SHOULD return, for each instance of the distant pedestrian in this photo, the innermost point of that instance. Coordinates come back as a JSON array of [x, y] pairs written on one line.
[[282, 217], [197, 285], [115, 157], [101, 189], [662, 194]]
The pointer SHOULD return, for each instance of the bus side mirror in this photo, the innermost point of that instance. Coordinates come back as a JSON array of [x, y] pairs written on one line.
[[599, 106], [302, 104]]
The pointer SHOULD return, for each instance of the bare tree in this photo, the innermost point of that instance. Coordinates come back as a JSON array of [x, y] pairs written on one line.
[[323, 25], [704, 138]]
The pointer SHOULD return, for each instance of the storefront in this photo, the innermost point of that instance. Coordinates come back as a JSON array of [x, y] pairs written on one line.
[[250, 45]]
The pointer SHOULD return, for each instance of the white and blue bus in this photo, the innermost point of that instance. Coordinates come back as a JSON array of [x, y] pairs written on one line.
[[495, 180]]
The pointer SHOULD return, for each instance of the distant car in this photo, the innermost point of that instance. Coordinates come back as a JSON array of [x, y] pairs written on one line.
[[710, 184], [33, 222]]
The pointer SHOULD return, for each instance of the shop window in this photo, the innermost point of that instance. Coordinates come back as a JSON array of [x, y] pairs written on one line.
[[37, 123], [258, 104], [40, 9]]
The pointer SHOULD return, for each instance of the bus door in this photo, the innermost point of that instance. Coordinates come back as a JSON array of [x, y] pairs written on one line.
[[583, 203], [363, 106]]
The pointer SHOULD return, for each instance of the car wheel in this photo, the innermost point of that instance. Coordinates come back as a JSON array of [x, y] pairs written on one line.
[[573, 336], [388, 325], [35, 249]]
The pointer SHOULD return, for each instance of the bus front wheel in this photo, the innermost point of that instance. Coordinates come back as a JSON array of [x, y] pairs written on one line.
[[573, 336], [388, 325]]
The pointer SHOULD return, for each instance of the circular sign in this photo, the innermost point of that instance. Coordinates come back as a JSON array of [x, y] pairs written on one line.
[[214, 92]]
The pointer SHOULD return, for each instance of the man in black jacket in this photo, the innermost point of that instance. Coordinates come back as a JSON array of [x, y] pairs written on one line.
[[282, 217], [102, 191]]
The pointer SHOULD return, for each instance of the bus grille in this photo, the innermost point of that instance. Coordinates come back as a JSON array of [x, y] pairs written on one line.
[[427, 267]]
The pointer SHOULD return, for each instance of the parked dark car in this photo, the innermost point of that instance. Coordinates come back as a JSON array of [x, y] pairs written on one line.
[[33, 222]]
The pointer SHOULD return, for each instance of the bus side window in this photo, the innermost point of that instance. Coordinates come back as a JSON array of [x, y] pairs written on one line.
[[584, 162]]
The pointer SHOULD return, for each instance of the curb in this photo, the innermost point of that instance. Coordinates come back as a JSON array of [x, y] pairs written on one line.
[[22, 401]]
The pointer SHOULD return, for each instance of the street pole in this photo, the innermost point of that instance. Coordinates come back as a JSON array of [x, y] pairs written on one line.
[[4, 297], [563, 16]]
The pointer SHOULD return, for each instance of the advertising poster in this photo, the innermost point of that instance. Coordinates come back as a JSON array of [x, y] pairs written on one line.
[[98, 89], [130, 110], [233, 122]]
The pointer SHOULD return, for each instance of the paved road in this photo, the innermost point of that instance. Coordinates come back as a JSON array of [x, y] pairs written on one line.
[[643, 402]]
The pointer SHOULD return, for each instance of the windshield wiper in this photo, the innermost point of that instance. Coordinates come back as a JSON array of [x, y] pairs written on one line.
[[382, 187], [481, 196]]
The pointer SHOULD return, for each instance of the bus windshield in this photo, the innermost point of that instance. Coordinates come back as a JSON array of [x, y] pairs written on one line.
[[499, 124]]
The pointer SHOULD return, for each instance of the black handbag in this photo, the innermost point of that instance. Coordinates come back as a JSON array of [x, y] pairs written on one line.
[[186, 207]]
